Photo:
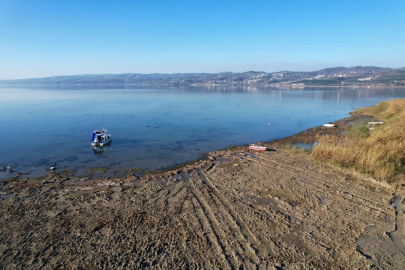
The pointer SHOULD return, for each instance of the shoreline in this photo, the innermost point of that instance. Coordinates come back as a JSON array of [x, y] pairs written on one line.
[[308, 136]]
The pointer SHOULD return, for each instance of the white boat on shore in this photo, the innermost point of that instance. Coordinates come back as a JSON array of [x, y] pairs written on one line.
[[101, 138], [257, 147], [329, 125]]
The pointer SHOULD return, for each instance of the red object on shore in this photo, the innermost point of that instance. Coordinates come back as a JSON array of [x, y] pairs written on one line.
[[257, 148]]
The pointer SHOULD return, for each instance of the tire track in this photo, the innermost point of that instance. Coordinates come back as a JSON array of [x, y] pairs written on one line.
[[209, 223], [320, 183], [312, 174], [309, 182], [168, 190], [243, 236]]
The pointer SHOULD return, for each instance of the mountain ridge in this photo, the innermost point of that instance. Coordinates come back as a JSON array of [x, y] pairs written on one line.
[[335, 76]]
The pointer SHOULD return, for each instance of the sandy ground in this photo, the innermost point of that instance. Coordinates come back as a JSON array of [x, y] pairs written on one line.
[[238, 209]]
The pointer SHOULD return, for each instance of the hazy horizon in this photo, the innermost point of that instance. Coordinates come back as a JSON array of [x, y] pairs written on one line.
[[45, 38]]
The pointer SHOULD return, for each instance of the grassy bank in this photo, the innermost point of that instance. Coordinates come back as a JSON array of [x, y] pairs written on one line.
[[379, 152]]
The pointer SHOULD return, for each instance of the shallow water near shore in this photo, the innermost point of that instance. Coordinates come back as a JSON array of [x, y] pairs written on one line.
[[156, 128]]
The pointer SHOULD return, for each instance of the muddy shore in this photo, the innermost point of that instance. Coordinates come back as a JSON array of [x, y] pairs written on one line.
[[237, 209]]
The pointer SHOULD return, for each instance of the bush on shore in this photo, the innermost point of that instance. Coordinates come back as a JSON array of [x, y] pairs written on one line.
[[379, 152]]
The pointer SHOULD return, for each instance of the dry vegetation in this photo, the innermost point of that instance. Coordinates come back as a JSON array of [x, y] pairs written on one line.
[[379, 152]]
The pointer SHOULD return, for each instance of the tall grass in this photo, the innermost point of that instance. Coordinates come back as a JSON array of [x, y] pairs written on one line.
[[379, 152]]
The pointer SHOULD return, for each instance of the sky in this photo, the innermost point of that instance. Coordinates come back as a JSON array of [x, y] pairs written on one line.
[[44, 38]]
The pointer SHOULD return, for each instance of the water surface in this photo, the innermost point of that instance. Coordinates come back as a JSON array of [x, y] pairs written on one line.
[[157, 128]]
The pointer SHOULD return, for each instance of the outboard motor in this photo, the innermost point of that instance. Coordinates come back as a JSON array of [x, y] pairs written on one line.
[[94, 136]]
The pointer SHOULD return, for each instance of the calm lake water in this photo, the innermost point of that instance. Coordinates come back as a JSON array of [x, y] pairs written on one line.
[[156, 129]]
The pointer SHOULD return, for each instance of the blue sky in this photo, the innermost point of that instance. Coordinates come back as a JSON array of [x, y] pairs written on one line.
[[48, 38]]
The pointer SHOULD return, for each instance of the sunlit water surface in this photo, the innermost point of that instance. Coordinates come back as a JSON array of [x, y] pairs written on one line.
[[156, 129]]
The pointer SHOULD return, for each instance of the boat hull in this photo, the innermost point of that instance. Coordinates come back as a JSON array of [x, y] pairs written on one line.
[[101, 144], [257, 148]]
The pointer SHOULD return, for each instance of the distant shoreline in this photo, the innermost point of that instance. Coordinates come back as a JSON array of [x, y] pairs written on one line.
[[208, 85]]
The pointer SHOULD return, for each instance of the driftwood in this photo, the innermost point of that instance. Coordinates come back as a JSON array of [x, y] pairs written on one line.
[[371, 125]]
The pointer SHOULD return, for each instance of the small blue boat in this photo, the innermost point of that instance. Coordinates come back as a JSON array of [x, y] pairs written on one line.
[[101, 138]]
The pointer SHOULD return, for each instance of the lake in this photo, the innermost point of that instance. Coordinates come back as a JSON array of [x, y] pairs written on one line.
[[156, 128]]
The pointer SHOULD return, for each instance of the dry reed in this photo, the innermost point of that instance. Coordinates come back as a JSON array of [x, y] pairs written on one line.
[[379, 152]]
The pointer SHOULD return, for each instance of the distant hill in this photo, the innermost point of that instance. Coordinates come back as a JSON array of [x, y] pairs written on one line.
[[337, 76]]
